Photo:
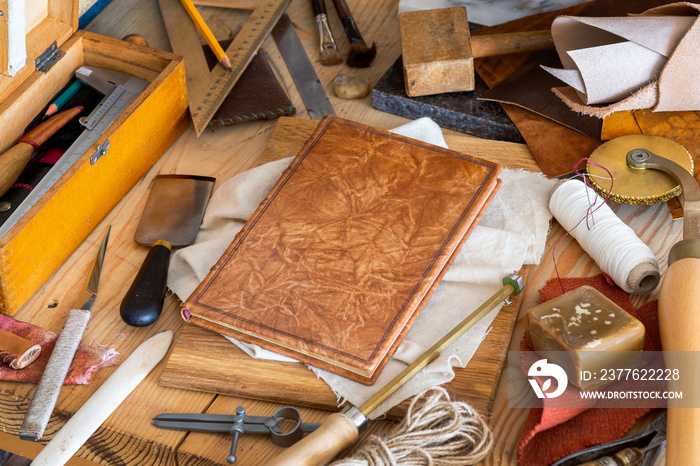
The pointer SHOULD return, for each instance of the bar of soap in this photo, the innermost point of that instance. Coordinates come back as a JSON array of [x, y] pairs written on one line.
[[587, 334]]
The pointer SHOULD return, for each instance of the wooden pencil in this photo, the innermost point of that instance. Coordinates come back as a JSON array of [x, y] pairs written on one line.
[[206, 32]]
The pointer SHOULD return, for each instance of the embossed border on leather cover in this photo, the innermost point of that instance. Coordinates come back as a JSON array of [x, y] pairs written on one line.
[[337, 261]]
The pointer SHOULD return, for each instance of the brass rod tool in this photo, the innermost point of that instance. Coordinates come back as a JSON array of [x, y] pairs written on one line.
[[46, 394], [340, 430]]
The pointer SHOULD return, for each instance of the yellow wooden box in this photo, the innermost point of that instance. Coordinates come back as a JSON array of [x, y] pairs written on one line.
[[32, 250]]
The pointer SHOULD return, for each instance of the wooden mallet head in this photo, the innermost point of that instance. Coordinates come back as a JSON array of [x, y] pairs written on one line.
[[439, 52]]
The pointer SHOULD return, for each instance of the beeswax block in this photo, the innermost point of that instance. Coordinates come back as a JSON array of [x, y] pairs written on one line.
[[587, 334]]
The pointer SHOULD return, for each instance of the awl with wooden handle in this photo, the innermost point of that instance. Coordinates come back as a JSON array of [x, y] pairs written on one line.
[[13, 160], [340, 430]]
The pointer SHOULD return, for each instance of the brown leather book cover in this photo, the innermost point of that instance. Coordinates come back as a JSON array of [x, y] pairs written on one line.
[[337, 261]]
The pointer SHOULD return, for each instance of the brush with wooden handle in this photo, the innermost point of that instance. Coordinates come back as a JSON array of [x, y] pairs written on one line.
[[326, 44], [13, 160], [340, 430], [359, 55]]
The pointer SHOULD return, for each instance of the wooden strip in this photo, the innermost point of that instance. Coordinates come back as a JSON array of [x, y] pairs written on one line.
[[290, 134]]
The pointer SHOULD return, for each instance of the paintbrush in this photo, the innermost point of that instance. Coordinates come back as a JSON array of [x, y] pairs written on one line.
[[329, 51], [359, 55]]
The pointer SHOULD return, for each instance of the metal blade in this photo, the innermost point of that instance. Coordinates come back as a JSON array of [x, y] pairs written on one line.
[[101, 79], [213, 418], [302, 71], [210, 427], [93, 280]]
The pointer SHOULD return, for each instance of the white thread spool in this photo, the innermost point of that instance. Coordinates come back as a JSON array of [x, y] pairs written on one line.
[[613, 245]]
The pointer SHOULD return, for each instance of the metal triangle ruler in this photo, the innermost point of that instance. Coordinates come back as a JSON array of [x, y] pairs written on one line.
[[206, 90]]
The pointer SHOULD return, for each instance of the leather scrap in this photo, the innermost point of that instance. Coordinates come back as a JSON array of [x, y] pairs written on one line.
[[257, 95], [677, 87], [516, 90], [555, 146]]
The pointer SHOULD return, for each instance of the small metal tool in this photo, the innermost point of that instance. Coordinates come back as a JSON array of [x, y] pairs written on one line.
[[638, 449], [303, 74], [110, 83], [174, 211], [241, 423]]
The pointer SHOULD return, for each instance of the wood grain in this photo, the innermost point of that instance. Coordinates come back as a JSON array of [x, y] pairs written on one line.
[[127, 437], [436, 51], [679, 303]]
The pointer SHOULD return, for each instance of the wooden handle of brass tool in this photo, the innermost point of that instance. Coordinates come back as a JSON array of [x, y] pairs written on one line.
[[489, 45], [322, 445], [679, 321]]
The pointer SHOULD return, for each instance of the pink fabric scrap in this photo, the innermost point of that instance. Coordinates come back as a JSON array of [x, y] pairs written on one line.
[[87, 359]]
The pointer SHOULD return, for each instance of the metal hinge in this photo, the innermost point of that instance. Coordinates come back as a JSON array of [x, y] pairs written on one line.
[[101, 150], [49, 58]]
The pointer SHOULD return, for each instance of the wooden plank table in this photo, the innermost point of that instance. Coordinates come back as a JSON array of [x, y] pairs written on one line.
[[127, 436]]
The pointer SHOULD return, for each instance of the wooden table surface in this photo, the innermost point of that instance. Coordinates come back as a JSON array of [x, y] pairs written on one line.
[[127, 436]]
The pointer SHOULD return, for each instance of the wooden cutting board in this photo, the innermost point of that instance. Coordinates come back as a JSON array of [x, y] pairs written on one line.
[[205, 361]]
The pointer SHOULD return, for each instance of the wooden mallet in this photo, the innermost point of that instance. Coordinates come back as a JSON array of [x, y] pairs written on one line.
[[438, 51]]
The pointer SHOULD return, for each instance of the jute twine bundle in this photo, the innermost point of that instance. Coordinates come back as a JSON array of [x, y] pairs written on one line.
[[435, 431]]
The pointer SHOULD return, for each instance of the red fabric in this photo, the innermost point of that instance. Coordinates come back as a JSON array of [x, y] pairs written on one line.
[[87, 359], [550, 433]]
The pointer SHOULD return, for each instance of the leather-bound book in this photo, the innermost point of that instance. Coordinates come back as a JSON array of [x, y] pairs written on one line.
[[340, 257]]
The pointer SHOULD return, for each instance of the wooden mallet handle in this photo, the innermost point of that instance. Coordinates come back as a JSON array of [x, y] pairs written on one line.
[[490, 45]]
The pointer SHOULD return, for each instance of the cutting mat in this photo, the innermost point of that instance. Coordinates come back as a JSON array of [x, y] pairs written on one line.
[[205, 361]]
